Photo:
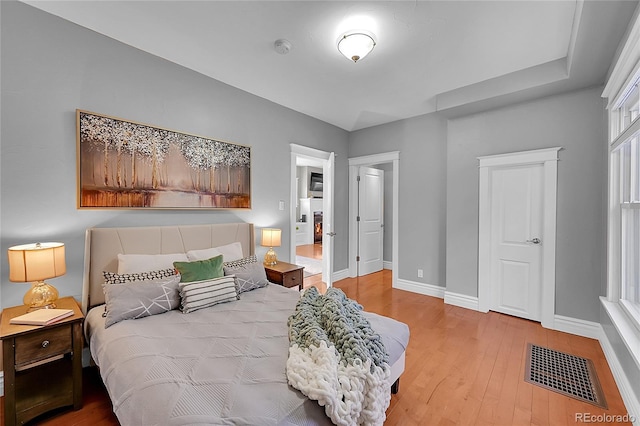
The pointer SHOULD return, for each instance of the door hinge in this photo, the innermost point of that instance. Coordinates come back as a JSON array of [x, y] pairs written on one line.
[[357, 218], [358, 178], [357, 258]]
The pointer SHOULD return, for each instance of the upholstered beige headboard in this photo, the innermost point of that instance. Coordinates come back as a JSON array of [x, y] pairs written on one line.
[[102, 246]]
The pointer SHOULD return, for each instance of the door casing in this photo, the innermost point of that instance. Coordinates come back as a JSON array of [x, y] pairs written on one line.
[[548, 158]]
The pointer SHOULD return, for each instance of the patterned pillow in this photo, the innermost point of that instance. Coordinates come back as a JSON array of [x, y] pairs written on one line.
[[139, 299], [241, 262], [248, 272], [202, 294], [113, 278]]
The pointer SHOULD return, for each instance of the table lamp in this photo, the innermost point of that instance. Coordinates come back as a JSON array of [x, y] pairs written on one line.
[[35, 263], [271, 239]]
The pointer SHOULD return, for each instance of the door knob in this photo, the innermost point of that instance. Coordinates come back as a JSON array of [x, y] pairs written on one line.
[[534, 241], [331, 234]]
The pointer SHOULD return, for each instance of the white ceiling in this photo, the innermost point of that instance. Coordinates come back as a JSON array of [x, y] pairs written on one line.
[[430, 55]]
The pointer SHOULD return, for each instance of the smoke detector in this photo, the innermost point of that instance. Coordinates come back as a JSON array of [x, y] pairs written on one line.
[[282, 46]]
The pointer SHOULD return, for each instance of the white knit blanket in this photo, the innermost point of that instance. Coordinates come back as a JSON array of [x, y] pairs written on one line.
[[336, 358]]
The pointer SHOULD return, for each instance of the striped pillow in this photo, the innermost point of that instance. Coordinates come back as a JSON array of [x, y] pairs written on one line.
[[202, 294]]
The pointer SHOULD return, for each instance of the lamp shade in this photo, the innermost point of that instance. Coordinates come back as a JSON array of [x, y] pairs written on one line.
[[36, 262], [356, 45], [271, 237]]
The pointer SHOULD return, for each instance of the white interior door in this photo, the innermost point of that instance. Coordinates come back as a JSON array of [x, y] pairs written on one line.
[[516, 240], [370, 223]]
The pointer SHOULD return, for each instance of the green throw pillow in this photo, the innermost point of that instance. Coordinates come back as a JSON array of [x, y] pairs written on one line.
[[200, 269]]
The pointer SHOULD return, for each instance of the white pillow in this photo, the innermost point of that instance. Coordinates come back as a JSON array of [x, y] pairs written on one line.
[[132, 263], [229, 253]]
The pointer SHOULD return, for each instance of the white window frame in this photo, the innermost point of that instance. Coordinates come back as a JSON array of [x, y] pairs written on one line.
[[624, 76], [618, 206]]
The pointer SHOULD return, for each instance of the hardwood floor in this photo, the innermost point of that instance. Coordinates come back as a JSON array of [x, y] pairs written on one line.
[[314, 281], [465, 367], [313, 251], [462, 366]]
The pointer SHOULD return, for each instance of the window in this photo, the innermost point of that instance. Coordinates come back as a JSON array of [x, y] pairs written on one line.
[[622, 92], [626, 111], [626, 203]]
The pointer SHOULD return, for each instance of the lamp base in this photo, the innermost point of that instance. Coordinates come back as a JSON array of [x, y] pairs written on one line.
[[270, 258], [40, 296]]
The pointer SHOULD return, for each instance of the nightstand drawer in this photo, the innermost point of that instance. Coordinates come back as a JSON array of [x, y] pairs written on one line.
[[43, 344], [292, 279]]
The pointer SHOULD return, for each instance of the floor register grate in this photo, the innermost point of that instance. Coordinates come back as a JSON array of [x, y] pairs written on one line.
[[567, 374]]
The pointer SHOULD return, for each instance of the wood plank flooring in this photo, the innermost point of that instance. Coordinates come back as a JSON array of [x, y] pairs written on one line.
[[465, 367], [313, 251], [462, 367]]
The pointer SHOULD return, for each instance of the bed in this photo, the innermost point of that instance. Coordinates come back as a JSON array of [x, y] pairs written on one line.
[[221, 365]]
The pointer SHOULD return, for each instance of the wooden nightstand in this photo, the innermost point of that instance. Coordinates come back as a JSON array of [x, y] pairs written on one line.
[[285, 274], [42, 364]]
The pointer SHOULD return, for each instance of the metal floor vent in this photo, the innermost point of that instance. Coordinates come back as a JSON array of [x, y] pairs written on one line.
[[567, 374]]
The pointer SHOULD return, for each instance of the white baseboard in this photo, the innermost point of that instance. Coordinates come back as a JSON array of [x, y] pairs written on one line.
[[387, 265], [594, 330], [461, 300], [421, 288], [590, 329], [627, 393], [340, 275]]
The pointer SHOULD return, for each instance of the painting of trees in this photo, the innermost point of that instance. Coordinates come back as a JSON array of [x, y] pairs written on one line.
[[130, 165]]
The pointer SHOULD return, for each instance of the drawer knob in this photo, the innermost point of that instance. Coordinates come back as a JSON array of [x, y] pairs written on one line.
[[45, 344]]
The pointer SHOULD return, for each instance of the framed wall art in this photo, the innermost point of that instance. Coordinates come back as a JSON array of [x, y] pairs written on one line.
[[124, 164]]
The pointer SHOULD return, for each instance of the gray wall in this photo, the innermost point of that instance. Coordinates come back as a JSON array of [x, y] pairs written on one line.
[[574, 121], [438, 208], [50, 67], [422, 198]]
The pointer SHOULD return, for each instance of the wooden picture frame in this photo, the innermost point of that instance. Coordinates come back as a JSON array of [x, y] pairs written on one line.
[[129, 165]]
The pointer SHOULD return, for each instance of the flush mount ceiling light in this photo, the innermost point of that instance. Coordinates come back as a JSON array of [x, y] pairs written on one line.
[[356, 45]]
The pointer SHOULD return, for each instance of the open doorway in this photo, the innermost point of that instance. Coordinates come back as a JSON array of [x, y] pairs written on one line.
[[312, 233], [309, 215]]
